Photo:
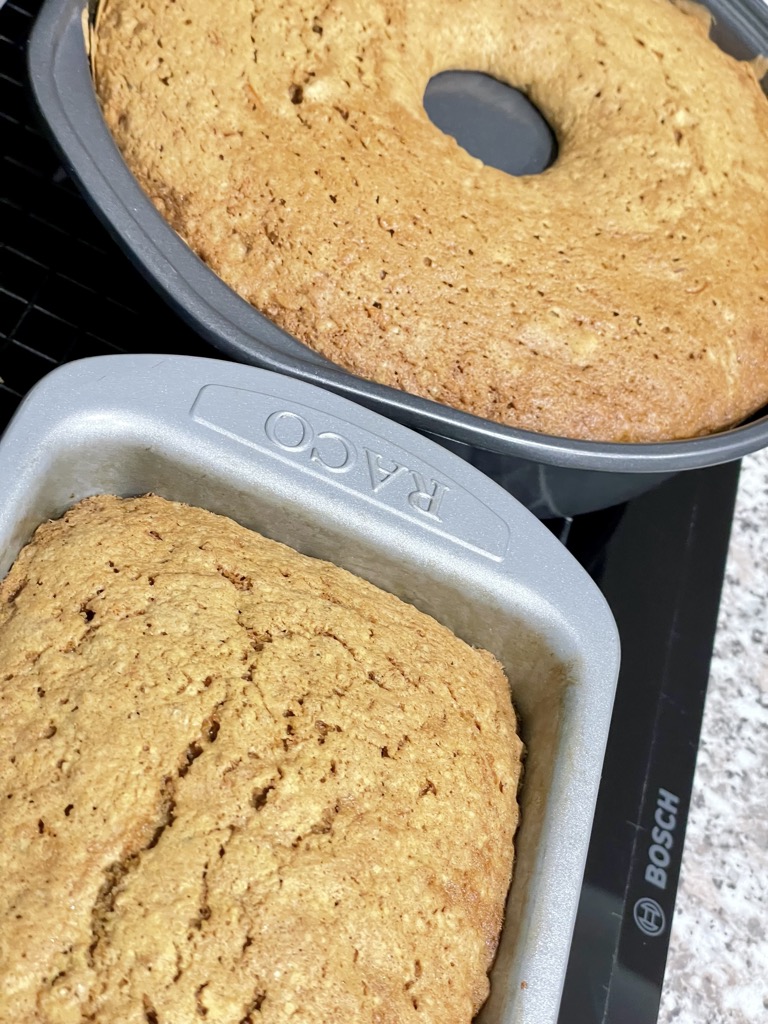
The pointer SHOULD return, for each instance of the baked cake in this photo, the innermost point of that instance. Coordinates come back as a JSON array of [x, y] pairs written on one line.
[[620, 295], [240, 784]]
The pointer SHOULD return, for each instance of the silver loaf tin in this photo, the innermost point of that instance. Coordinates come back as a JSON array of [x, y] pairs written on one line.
[[336, 481], [550, 475]]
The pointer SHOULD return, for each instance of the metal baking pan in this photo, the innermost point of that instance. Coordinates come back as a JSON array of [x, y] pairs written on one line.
[[552, 476], [339, 482]]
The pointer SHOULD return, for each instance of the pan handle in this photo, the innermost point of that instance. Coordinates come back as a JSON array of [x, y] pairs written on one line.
[[345, 447]]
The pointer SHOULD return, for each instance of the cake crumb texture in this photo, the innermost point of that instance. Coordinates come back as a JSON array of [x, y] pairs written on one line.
[[240, 785], [620, 295]]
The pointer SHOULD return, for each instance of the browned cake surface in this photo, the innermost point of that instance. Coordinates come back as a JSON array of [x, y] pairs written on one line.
[[622, 294], [239, 784]]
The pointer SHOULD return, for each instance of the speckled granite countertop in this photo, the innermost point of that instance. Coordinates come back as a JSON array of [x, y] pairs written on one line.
[[717, 969]]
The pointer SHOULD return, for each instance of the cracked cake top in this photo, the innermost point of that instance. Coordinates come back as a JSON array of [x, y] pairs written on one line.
[[240, 784]]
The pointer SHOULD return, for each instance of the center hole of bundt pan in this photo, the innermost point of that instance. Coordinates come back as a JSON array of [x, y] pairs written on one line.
[[492, 121]]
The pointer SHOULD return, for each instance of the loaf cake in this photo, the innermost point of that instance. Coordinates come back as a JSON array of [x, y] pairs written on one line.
[[240, 784], [620, 295]]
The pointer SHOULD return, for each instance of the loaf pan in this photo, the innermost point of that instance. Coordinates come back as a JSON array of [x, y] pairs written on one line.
[[552, 476], [336, 481]]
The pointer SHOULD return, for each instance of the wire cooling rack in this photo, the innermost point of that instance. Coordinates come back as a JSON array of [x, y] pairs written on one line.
[[66, 289]]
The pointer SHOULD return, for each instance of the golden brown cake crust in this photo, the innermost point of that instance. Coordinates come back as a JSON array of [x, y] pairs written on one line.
[[240, 784], [620, 295]]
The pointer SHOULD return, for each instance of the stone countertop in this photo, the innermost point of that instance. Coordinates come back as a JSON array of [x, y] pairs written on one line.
[[717, 968]]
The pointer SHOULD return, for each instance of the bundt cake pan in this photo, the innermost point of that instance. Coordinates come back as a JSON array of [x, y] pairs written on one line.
[[339, 482], [552, 476]]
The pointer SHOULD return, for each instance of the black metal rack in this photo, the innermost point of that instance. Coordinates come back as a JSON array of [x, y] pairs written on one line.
[[66, 292]]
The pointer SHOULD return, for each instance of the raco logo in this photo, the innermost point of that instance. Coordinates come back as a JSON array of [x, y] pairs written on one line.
[[337, 454], [352, 457]]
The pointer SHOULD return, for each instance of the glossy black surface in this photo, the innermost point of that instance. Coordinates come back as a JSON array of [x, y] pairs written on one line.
[[659, 560], [66, 292]]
